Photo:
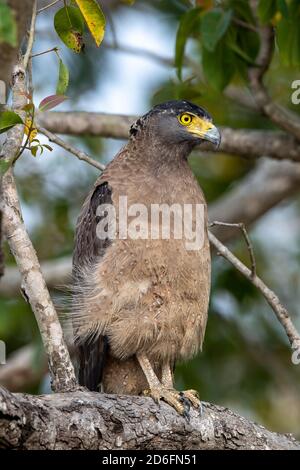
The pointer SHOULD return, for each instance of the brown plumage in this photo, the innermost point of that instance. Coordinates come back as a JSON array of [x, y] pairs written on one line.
[[141, 304]]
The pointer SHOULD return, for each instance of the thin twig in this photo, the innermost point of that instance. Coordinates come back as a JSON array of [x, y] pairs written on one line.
[[281, 313], [242, 228], [48, 6], [31, 36], [53, 49], [245, 25], [65, 145]]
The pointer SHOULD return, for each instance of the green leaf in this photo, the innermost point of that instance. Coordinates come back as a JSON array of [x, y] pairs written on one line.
[[283, 8], [34, 149], [94, 18], [266, 10], [187, 24], [63, 79], [48, 147], [8, 25], [69, 25], [51, 101], [288, 36], [218, 66], [214, 25], [9, 119], [242, 10], [245, 44]]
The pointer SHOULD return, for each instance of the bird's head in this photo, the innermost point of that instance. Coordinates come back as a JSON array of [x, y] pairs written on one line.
[[177, 122]]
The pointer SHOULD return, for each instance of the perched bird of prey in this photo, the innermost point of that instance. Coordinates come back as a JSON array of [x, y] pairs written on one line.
[[140, 302]]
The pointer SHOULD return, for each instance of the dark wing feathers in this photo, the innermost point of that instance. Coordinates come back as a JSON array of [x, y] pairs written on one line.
[[88, 249], [92, 356]]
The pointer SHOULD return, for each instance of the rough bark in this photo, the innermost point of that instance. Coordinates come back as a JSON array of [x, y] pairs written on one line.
[[85, 420], [34, 288]]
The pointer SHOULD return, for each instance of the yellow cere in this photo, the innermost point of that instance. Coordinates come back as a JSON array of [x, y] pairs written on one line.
[[195, 123]]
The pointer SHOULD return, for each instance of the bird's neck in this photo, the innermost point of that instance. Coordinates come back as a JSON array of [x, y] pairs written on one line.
[[158, 156]]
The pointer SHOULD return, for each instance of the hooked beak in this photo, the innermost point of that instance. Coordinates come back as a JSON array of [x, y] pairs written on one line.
[[213, 135], [205, 130]]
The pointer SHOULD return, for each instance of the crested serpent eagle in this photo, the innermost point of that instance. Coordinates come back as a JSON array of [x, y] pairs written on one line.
[[140, 303]]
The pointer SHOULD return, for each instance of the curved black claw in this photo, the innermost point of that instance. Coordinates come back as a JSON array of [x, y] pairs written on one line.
[[186, 404]]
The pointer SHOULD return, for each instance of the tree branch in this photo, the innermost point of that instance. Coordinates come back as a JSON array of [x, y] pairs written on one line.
[[85, 420], [247, 143], [272, 299], [280, 116], [65, 145], [34, 288], [56, 273], [27, 55]]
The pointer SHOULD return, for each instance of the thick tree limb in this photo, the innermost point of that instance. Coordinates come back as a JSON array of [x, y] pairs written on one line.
[[85, 420], [34, 288], [247, 143]]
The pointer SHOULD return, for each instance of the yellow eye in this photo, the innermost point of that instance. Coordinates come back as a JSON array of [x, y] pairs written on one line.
[[185, 119]]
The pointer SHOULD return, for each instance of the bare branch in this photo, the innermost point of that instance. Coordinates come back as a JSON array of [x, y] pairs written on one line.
[[31, 36], [65, 145], [53, 49], [48, 6], [242, 228], [56, 273], [284, 118], [272, 299], [85, 420], [248, 143]]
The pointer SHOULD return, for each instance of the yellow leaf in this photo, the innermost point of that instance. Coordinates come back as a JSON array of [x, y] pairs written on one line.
[[30, 129], [276, 18], [94, 18]]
